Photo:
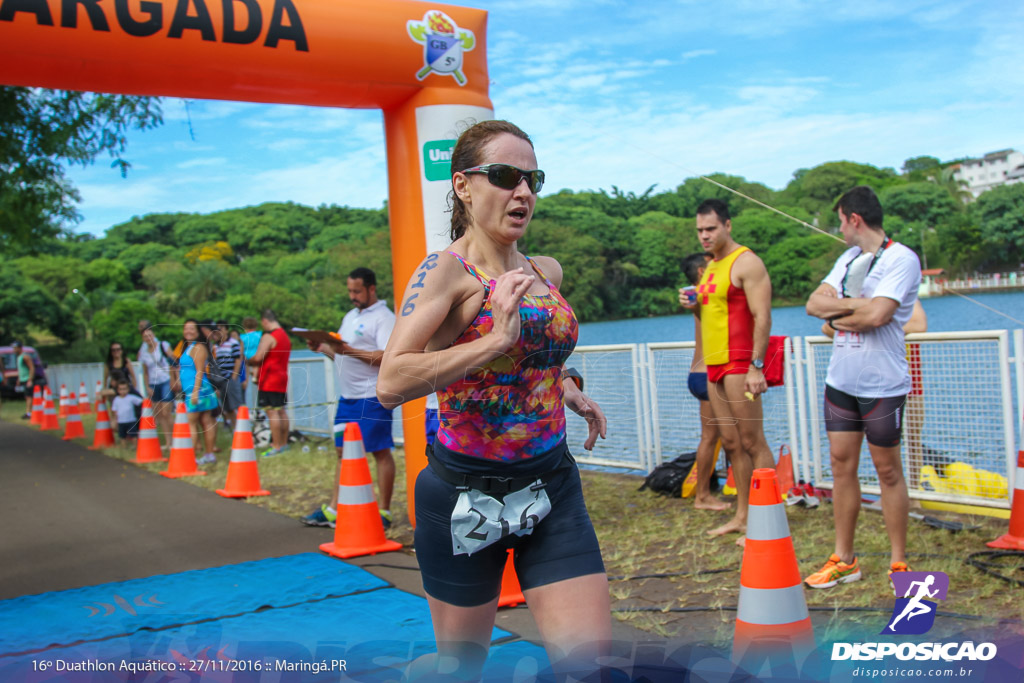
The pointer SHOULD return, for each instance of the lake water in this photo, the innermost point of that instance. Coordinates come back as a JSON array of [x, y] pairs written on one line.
[[945, 314]]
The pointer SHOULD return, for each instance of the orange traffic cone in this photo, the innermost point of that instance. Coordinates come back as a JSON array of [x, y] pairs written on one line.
[[49, 412], [784, 471], [1014, 540], [772, 623], [183, 456], [358, 529], [73, 424], [730, 484], [147, 449], [62, 410], [83, 400], [37, 406], [511, 593], [104, 435], [243, 474]]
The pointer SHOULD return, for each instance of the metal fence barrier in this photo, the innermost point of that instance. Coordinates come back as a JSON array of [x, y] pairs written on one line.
[[971, 387]]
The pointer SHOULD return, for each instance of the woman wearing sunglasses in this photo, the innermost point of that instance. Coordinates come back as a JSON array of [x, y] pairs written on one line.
[[486, 328], [116, 369]]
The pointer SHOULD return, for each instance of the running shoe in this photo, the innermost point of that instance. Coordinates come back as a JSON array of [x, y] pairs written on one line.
[[270, 453], [897, 567], [385, 518], [206, 459], [321, 517], [834, 572], [26, 416]]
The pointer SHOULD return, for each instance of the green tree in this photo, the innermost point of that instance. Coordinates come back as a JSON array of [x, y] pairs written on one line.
[[919, 168], [27, 305], [42, 131], [922, 202], [120, 322], [999, 214]]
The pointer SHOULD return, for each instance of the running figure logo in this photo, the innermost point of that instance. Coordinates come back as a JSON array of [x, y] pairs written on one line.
[[914, 613], [443, 44]]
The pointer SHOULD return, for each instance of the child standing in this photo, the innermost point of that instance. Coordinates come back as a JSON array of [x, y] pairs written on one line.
[[124, 405]]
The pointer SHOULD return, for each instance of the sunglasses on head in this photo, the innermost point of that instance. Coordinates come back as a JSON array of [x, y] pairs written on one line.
[[508, 177]]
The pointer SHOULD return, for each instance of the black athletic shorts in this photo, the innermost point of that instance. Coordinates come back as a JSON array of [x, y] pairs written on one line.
[[881, 419], [563, 546], [271, 399]]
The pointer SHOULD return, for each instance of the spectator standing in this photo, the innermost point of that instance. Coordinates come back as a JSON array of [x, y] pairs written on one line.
[[272, 356], [200, 397], [29, 376], [363, 334], [124, 406], [866, 298], [117, 368], [694, 266], [734, 302], [250, 341], [159, 370], [229, 369]]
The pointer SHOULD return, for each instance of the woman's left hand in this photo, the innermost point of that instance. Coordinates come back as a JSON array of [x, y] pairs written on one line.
[[587, 408]]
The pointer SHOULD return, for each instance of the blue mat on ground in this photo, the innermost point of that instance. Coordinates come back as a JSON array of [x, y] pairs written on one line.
[[63, 617], [375, 634]]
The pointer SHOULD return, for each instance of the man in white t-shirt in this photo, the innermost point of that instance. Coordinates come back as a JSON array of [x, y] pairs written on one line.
[[363, 334], [867, 298]]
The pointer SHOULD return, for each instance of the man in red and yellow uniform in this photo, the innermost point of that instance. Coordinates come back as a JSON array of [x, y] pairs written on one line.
[[734, 302]]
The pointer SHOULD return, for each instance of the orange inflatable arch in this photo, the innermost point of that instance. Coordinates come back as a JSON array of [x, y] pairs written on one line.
[[423, 64]]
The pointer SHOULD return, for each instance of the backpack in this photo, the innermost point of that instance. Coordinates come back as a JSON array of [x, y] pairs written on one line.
[[667, 478]]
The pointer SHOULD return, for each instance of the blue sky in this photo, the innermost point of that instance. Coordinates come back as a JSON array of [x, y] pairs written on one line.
[[632, 95]]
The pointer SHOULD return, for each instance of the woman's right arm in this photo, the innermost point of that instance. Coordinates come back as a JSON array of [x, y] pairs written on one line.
[[409, 370]]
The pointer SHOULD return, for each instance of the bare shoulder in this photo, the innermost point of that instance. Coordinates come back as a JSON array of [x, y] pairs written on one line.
[[749, 265], [551, 268]]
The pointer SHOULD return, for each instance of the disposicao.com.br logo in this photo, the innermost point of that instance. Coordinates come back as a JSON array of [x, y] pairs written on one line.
[[914, 614]]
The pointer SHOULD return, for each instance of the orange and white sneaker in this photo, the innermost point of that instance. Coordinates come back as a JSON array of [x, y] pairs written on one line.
[[834, 572], [897, 567]]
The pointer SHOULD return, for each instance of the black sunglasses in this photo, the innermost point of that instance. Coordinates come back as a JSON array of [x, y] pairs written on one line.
[[508, 177]]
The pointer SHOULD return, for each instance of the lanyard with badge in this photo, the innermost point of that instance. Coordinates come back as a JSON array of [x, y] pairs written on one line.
[[858, 270]]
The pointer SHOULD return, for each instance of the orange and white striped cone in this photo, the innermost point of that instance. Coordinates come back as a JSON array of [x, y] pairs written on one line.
[[147, 448], [243, 473], [511, 593], [773, 627], [784, 471], [98, 394], [73, 428], [730, 484], [50, 420], [103, 436], [62, 410], [183, 456], [83, 400], [358, 529], [37, 406], [1014, 540]]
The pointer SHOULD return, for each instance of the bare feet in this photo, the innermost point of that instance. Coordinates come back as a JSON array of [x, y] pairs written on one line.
[[711, 503], [733, 526]]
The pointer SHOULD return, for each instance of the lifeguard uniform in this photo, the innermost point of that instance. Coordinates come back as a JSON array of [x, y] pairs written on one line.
[[727, 325]]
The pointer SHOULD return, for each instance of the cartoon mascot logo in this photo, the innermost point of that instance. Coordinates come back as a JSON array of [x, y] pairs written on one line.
[[443, 44]]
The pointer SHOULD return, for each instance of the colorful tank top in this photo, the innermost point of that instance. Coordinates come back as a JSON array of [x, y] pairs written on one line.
[[512, 409], [727, 326]]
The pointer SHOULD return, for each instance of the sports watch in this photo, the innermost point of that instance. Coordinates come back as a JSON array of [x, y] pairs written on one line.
[[758, 363]]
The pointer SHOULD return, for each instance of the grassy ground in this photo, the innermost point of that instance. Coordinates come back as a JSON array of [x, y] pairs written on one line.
[[643, 535]]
